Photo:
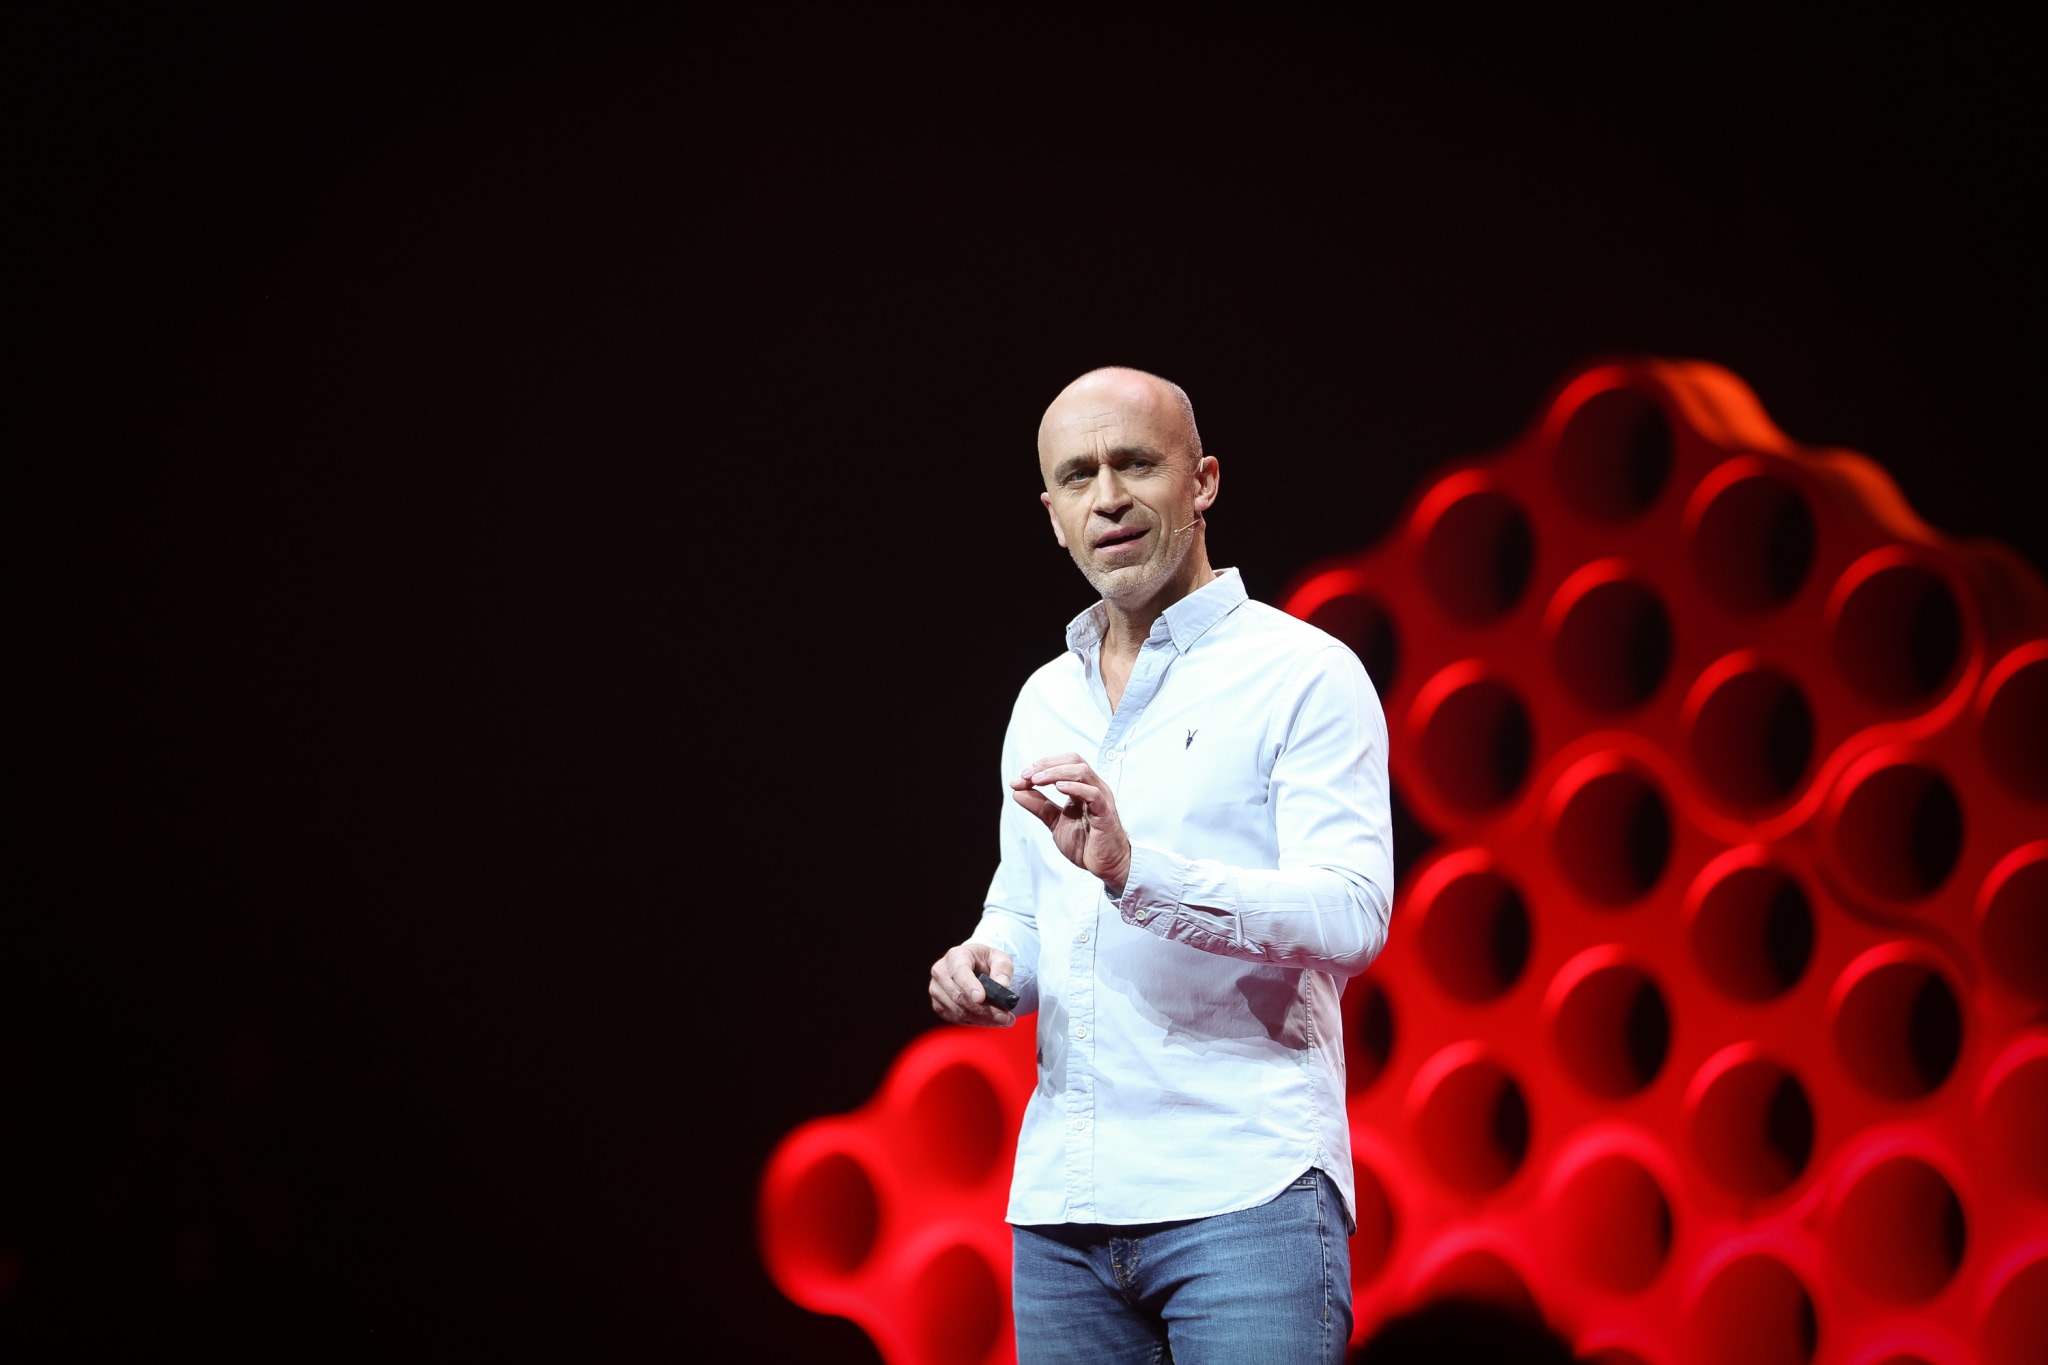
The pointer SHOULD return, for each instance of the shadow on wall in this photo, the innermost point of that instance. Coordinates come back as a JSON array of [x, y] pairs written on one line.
[[1462, 1329]]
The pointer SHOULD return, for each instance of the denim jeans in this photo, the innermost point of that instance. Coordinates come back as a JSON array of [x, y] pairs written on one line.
[[1263, 1286]]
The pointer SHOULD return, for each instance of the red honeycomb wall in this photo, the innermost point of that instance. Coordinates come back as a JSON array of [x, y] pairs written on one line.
[[1713, 1028]]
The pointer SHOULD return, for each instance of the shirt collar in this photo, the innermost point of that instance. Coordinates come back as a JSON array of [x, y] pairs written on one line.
[[1185, 622]]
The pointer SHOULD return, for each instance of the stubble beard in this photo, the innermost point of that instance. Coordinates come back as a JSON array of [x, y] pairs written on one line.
[[1135, 585]]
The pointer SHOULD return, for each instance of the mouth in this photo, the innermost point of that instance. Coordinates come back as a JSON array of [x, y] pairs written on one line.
[[1119, 538]]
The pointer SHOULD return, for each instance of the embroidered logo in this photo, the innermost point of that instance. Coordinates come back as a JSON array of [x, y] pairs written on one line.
[[1190, 741]]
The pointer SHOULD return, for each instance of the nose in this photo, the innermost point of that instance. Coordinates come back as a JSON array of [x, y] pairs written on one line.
[[1112, 499]]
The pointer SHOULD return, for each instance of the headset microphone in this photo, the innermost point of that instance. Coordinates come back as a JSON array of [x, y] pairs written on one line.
[[1196, 522]]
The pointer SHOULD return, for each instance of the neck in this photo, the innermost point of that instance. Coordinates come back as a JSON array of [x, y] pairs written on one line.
[[1131, 619]]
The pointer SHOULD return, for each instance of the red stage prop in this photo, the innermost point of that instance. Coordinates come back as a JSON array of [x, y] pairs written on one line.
[[1712, 1031]]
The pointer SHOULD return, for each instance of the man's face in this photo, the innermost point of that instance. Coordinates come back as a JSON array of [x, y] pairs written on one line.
[[1122, 489]]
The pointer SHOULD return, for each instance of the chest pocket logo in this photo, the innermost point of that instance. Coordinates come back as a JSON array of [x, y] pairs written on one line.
[[1190, 742]]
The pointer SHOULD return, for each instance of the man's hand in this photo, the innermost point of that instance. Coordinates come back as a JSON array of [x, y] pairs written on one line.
[[958, 998], [1086, 829]]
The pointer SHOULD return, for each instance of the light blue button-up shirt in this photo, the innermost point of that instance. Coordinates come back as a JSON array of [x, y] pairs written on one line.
[[1190, 1048]]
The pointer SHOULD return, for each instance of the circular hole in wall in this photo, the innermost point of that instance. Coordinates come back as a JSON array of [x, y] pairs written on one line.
[[1755, 1311], [2015, 731], [1374, 1240], [1899, 1231], [1477, 557], [1753, 933], [2016, 1320], [1613, 646], [826, 1226], [1475, 745], [1368, 1034], [1475, 936], [1613, 1031], [1614, 455], [1753, 1129], [1614, 838], [1616, 1224], [1475, 1127], [956, 1129], [956, 1307], [1752, 740], [1898, 1029], [1364, 624], [2014, 923], [2014, 1122], [1754, 544], [1899, 636], [1900, 832]]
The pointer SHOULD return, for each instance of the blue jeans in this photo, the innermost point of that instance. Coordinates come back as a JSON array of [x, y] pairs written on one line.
[[1263, 1286]]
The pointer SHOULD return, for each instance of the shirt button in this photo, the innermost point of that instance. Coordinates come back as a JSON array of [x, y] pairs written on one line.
[[1084, 936], [1140, 915], [1081, 1031]]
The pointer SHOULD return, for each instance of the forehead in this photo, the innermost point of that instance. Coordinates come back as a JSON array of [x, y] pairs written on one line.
[[1093, 424]]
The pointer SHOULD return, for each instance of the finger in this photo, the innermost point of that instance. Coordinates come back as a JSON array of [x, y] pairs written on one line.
[[979, 1017], [967, 992], [944, 1005], [1086, 793], [1037, 805], [948, 998], [988, 1016], [961, 1004], [961, 965], [947, 1005], [1061, 772]]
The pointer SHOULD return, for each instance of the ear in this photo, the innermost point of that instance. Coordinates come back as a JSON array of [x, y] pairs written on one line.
[[1045, 501], [1208, 480]]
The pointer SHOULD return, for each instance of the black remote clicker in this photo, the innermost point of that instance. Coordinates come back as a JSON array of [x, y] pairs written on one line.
[[999, 995]]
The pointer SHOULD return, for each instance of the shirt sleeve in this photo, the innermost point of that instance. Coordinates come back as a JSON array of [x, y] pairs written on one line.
[[1327, 904], [1009, 917]]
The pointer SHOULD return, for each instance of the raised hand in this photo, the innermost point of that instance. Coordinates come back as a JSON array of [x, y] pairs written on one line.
[[1086, 829]]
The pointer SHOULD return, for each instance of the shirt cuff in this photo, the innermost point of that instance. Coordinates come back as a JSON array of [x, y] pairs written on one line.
[[1152, 890], [1155, 900]]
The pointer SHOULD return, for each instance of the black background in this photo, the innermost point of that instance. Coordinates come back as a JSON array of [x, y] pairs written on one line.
[[531, 538]]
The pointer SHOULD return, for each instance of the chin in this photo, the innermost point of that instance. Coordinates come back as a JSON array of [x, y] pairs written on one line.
[[1135, 582]]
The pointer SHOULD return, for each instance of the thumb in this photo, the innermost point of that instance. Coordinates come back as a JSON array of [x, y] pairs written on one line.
[[1032, 801]]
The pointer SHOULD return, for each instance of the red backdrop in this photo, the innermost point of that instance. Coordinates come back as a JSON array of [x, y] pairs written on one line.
[[1710, 1029]]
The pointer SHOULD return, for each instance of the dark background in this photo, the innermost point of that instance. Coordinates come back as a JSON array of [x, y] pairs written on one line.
[[531, 538]]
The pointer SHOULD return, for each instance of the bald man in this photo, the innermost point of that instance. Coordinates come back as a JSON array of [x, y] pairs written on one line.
[[1195, 857]]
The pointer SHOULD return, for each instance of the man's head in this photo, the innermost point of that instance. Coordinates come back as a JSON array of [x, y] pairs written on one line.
[[1126, 484]]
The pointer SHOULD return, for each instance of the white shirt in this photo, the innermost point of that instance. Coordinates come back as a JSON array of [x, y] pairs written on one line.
[[1190, 1049]]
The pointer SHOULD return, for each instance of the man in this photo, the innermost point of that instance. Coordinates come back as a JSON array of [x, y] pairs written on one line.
[[1195, 855]]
